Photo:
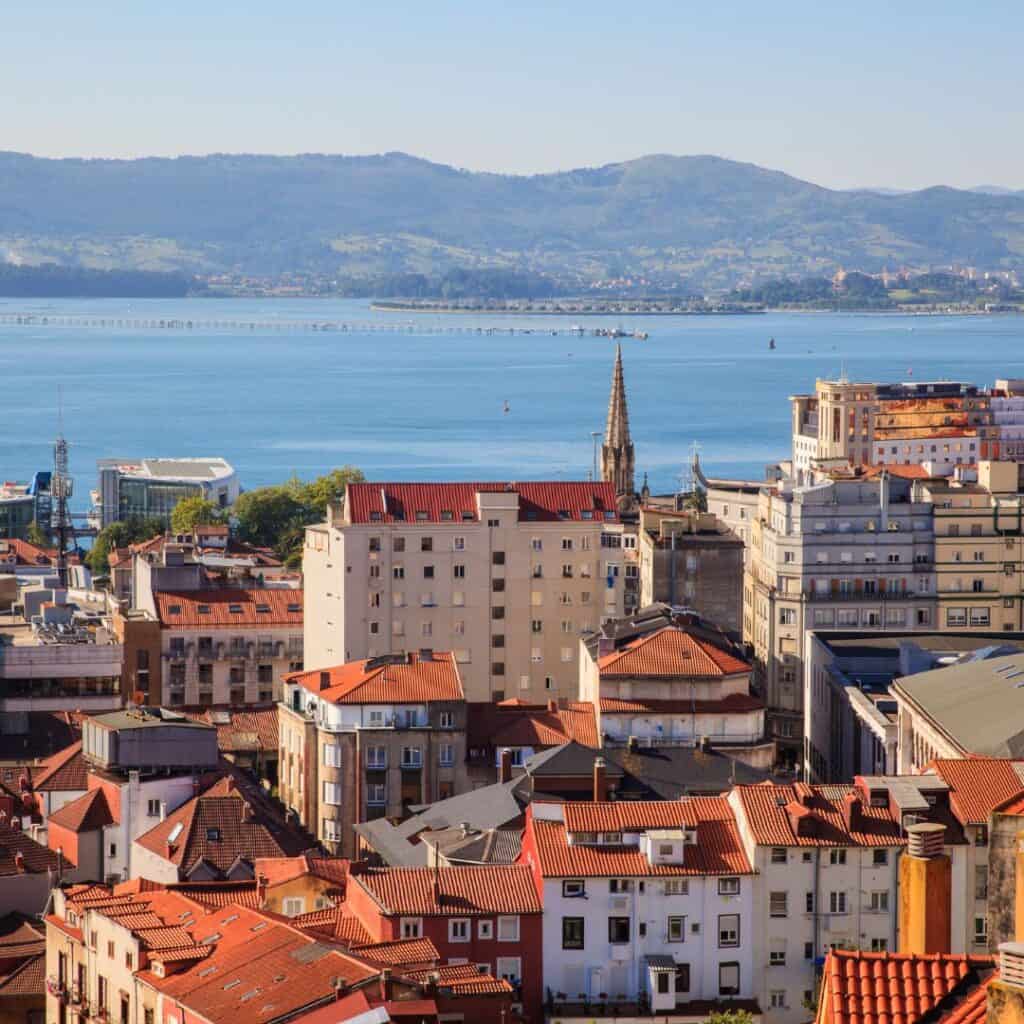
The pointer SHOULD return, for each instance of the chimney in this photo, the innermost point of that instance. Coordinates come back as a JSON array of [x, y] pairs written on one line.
[[464, 828], [1005, 995], [261, 889], [925, 891], [600, 780], [19, 861], [247, 811], [385, 984], [852, 813], [163, 809], [553, 706], [505, 771]]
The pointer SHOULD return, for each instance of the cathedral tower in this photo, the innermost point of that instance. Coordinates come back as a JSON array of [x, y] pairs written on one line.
[[617, 458]]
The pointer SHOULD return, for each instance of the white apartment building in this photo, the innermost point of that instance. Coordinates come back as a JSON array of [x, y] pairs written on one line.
[[844, 554], [505, 575], [643, 901]]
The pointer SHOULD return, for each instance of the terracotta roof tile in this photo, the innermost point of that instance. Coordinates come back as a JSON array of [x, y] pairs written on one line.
[[86, 813], [671, 652], [769, 809], [15, 552], [26, 977], [464, 979], [734, 703], [896, 988], [503, 889], [65, 771], [456, 502], [978, 785], [718, 850], [377, 681], [400, 953], [213, 895], [531, 725], [34, 858], [256, 607], [247, 729]]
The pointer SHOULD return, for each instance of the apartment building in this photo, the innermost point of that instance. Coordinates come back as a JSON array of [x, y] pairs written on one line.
[[645, 903], [842, 554], [826, 866], [371, 739], [504, 575]]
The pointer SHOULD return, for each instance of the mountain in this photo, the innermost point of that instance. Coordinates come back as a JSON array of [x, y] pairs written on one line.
[[700, 219]]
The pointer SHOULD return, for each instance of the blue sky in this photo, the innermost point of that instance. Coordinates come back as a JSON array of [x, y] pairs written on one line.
[[903, 95]]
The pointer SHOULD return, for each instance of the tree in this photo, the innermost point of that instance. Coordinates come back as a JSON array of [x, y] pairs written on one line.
[[319, 493], [192, 512], [730, 1017], [36, 535], [132, 530], [265, 514]]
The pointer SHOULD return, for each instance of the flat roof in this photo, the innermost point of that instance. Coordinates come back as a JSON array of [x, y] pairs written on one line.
[[147, 718]]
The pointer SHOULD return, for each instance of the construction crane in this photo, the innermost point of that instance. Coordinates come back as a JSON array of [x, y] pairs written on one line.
[[61, 488]]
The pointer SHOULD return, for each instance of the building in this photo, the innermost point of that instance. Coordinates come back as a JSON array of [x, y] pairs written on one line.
[[674, 687], [618, 459], [217, 835], [851, 720], [28, 870], [647, 905], [22, 970], [487, 917], [150, 488], [371, 739], [22, 504], [692, 558], [846, 554], [826, 861], [504, 575]]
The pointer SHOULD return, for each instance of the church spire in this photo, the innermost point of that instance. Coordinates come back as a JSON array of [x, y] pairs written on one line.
[[617, 458]]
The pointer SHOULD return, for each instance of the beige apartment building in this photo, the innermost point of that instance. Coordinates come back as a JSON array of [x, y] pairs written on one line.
[[506, 576], [371, 739], [979, 550]]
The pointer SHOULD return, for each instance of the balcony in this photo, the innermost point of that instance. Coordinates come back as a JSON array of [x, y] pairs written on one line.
[[839, 596]]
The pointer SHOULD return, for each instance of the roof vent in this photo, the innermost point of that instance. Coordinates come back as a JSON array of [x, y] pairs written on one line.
[[1011, 963], [925, 839]]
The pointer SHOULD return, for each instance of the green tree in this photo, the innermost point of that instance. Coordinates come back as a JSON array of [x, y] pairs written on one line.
[[319, 493], [192, 512], [730, 1017], [132, 530], [263, 515], [37, 535]]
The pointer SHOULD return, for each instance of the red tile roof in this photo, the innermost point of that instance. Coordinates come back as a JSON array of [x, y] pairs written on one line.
[[257, 607], [978, 785], [14, 552], [973, 1009], [87, 813], [896, 988], [531, 725], [65, 771], [734, 703], [502, 889], [379, 681], [400, 953], [213, 895], [247, 729], [670, 653], [718, 850], [456, 502], [463, 979], [770, 811], [25, 977], [218, 827]]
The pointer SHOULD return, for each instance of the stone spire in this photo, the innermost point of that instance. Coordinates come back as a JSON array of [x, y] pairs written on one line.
[[617, 458]]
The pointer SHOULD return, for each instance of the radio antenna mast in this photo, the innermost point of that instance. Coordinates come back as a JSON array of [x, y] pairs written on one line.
[[61, 489]]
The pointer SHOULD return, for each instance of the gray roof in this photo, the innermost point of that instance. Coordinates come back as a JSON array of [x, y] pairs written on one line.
[[493, 846], [570, 758], [146, 718], [672, 772], [979, 705]]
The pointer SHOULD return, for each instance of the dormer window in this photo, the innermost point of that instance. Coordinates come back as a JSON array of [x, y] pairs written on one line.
[[203, 609], [295, 607], [174, 609], [447, 515], [587, 514], [563, 513], [421, 515], [375, 517], [613, 838], [213, 835], [263, 609], [235, 609]]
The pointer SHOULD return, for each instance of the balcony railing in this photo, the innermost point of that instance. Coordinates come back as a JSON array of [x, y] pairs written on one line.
[[861, 595]]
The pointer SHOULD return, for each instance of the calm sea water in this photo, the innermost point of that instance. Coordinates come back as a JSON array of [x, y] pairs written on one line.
[[407, 404]]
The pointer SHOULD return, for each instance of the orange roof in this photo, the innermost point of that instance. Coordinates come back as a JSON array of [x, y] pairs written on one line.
[[227, 607], [84, 814], [670, 652], [718, 850], [412, 680], [973, 1009], [453, 503], [249, 728], [734, 703], [899, 988], [400, 953], [640, 815], [23, 552], [463, 979], [770, 811], [497, 889], [979, 784], [65, 771], [531, 725]]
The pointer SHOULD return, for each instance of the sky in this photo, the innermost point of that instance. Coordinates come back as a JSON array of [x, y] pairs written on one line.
[[874, 94]]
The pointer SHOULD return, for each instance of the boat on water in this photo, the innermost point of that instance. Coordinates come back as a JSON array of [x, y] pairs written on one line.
[[771, 344], [506, 409]]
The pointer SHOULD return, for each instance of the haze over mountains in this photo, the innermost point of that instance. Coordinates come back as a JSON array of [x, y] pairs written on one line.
[[709, 221]]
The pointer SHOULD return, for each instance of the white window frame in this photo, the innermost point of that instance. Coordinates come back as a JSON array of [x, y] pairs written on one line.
[[410, 927], [460, 929], [508, 928]]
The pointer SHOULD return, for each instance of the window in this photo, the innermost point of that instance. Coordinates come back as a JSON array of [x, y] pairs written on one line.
[[956, 616], [787, 616], [567, 543], [459, 571], [113, 850], [809, 903], [376, 757], [446, 720], [459, 929], [808, 950], [398, 544], [837, 856], [729, 979], [332, 794], [778, 855], [979, 616], [398, 572], [880, 857], [411, 927], [728, 886], [376, 793], [981, 882], [332, 755], [459, 543], [728, 930], [618, 930], [292, 906], [567, 654], [153, 808], [485, 930], [980, 931], [677, 929], [110, 950], [981, 835], [498, 585], [879, 945], [426, 543], [446, 755], [497, 668], [510, 969], [777, 958], [508, 928], [880, 901], [412, 757], [777, 997], [573, 888], [778, 904], [498, 611], [837, 902], [620, 885], [497, 639], [677, 887]]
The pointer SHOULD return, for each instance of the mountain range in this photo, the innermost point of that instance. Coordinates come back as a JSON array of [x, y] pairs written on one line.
[[699, 221]]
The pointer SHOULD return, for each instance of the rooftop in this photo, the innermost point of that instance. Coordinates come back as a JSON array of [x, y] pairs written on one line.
[[414, 678], [203, 469], [979, 785], [229, 607], [87, 813], [670, 653], [21, 854], [531, 725]]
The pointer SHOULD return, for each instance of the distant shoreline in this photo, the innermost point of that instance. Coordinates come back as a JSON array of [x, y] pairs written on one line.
[[383, 306]]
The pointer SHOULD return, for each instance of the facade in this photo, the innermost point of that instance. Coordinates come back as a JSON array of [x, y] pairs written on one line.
[[691, 558], [645, 904], [28, 870], [506, 576], [371, 739], [22, 504], [150, 488], [840, 554]]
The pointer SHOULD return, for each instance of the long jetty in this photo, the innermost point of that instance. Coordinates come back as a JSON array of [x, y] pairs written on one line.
[[274, 326]]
